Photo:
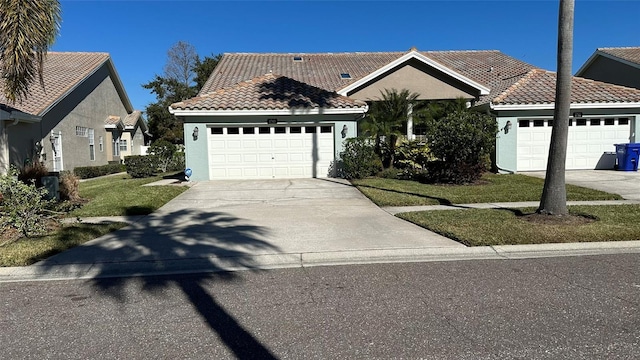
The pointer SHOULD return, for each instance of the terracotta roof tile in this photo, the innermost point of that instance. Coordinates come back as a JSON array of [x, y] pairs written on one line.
[[112, 120], [62, 71], [631, 54], [268, 92], [132, 119], [538, 87], [490, 68]]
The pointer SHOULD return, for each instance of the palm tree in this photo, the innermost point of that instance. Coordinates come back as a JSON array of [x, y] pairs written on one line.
[[27, 29], [386, 118], [554, 194]]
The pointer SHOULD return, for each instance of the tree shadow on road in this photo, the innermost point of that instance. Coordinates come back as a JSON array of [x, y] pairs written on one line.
[[184, 241]]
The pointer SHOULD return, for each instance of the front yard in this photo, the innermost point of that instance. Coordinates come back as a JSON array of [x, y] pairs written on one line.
[[108, 196], [479, 227]]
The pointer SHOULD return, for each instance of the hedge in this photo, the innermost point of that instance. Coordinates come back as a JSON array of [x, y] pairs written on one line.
[[87, 172]]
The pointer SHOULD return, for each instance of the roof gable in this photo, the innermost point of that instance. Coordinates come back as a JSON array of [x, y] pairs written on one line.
[[483, 90], [626, 55], [62, 73], [537, 90], [269, 93]]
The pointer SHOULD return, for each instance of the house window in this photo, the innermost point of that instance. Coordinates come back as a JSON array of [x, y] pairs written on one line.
[[345, 76], [101, 143], [82, 131], [264, 130], [623, 121], [279, 130], [523, 123], [248, 130], [216, 131], [594, 122], [538, 123], [295, 130], [581, 122], [233, 131], [92, 145], [609, 122], [123, 145], [325, 129]]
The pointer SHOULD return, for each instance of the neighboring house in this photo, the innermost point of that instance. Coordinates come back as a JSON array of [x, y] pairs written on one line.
[[82, 117], [287, 115], [619, 66]]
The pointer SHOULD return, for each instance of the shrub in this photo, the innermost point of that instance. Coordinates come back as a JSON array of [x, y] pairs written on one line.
[[22, 205], [87, 172], [358, 159], [164, 152], [412, 155], [69, 185], [389, 173], [177, 162], [141, 166], [33, 173], [462, 142]]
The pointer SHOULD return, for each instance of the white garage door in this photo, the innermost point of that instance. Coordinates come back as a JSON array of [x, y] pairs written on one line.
[[270, 152], [589, 140]]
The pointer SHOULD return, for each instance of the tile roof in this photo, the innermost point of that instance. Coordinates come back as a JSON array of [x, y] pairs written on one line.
[[132, 119], [268, 92], [62, 71], [112, 120], [510, 81], [631, 54], [538, 87], [490, 68]]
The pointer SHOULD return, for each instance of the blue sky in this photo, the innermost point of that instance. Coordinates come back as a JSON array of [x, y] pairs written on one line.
[[138, 34]]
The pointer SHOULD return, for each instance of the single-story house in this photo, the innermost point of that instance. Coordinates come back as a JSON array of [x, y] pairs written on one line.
[[287, 115], [615, 65], [82, 116]]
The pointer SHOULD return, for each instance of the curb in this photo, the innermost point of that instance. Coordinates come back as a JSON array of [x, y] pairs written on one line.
[[81, 271]]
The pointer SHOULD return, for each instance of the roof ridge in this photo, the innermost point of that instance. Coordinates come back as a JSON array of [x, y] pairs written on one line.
[[618, 48], [80, 52], [358, 52]]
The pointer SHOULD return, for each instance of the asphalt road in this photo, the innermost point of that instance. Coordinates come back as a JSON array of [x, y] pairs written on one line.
[[551, 308]]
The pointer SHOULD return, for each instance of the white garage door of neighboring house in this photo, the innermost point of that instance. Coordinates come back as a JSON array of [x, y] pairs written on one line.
[[588, 140], [270, 152]]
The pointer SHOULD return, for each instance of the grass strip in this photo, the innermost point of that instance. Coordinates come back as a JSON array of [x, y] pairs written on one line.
[[27, 251], [491, 188], [122, 195], [481, 227]]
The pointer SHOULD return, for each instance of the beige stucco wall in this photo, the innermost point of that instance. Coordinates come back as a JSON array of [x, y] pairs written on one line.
[[611, 71], [419, 78]]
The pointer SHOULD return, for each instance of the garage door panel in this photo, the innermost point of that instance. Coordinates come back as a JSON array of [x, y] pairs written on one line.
[[586, 145], [270, 155]]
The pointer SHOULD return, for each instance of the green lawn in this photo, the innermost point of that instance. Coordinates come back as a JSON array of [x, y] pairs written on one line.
[[478, 227], [122, 195], [493, 188], [27, 251], [108, 196]]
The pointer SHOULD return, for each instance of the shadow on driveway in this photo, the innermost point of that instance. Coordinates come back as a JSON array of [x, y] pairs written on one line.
[[164, 239]]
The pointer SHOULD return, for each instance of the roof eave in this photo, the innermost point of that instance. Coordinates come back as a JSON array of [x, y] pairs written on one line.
[[414, 55], [268, 112], [551, 106]]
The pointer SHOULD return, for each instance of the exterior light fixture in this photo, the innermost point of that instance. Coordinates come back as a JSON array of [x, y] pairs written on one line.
[[507, 127], [195, 133], [344, 131]]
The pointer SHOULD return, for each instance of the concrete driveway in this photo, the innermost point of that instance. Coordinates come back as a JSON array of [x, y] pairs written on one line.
[[243, 220], [623, 183]]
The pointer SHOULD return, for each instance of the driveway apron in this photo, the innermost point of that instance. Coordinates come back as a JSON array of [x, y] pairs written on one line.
[[249, 218]]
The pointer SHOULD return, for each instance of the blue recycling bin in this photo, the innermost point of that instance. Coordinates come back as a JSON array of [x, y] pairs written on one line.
[[627, 156]]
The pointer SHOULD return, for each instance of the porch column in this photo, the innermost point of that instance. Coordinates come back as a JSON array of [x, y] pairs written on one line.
[[410, 122]]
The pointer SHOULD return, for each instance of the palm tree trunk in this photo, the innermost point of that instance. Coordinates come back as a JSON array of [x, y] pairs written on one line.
[[554, 194]]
